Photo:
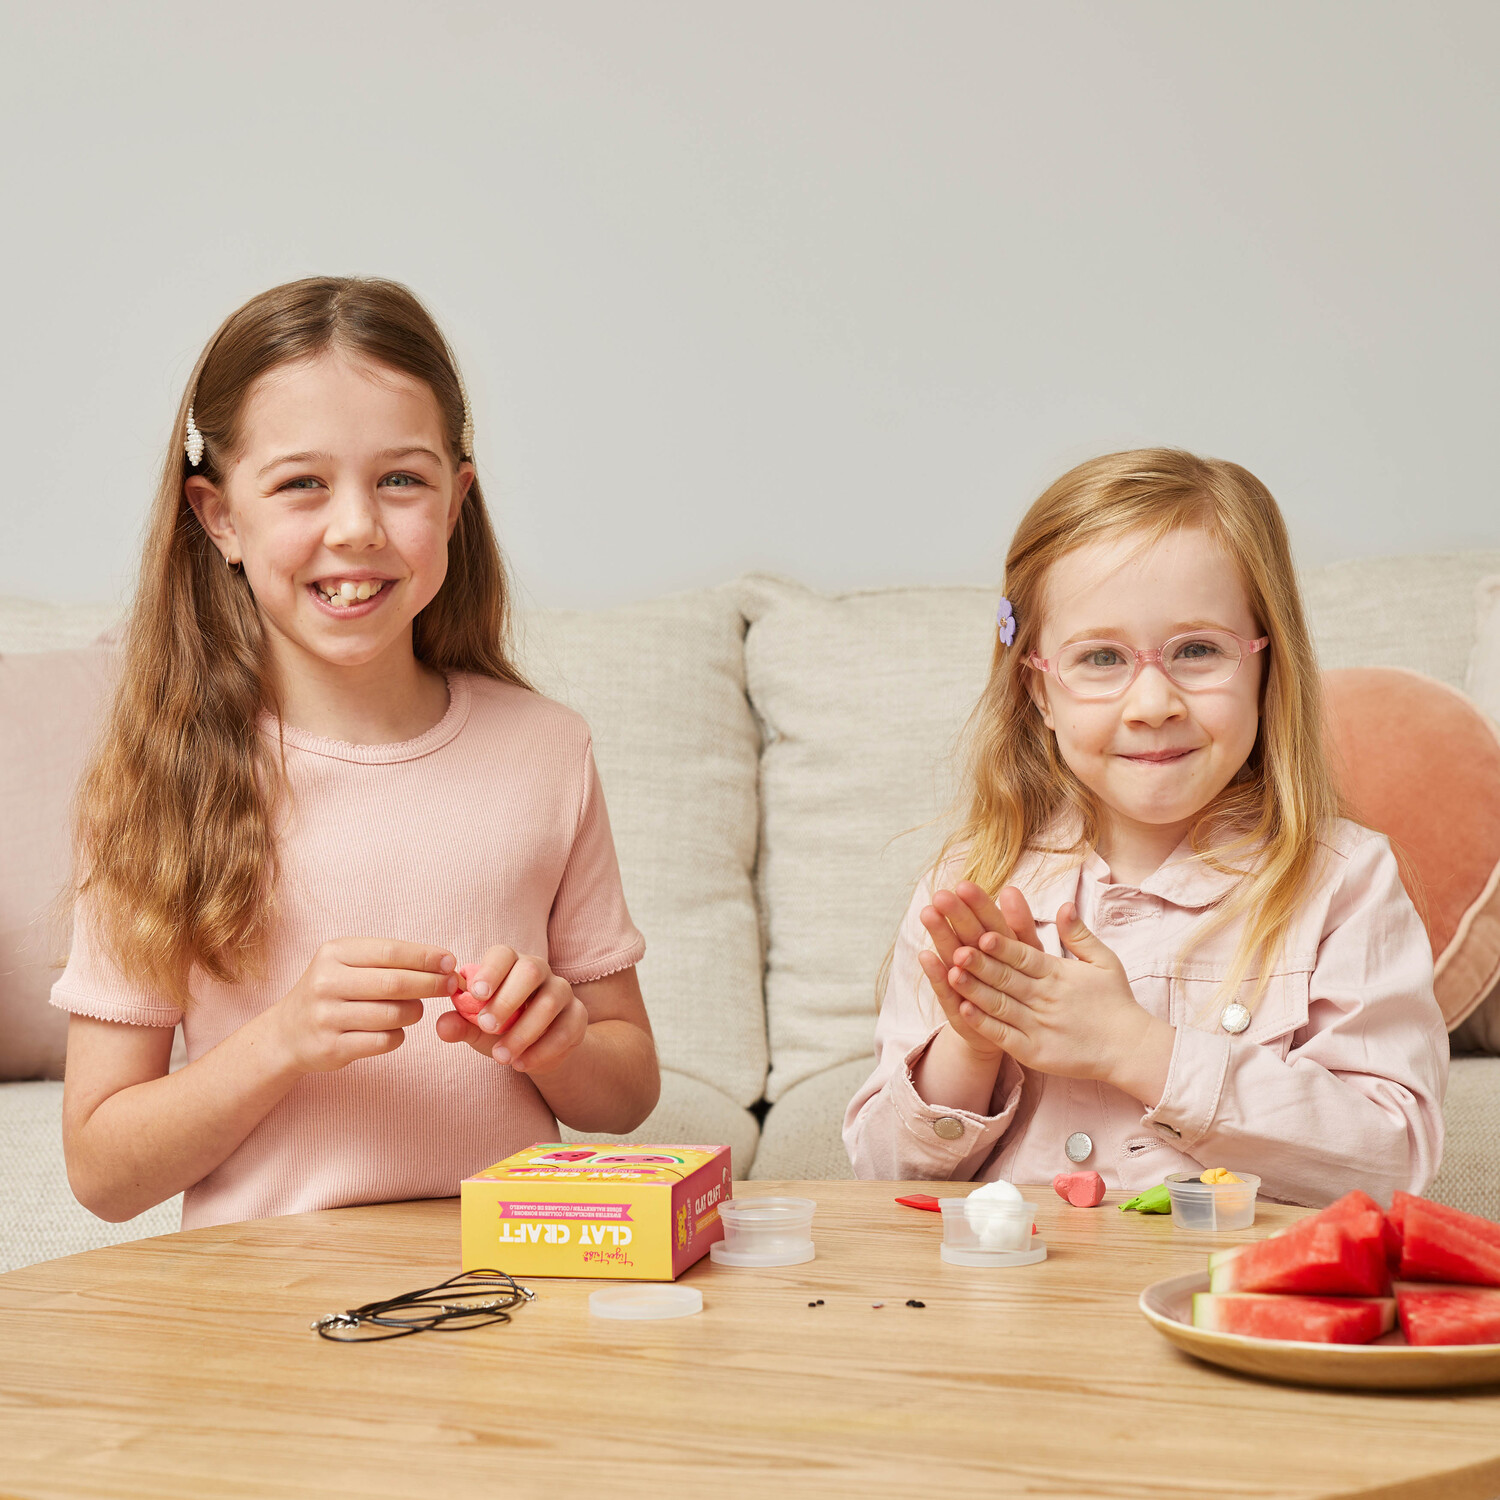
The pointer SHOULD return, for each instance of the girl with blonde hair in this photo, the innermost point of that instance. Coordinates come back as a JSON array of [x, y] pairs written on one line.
[[1153, 944], [326, 799]]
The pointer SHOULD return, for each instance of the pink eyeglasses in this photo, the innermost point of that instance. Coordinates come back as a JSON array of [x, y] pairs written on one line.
[[1195, 659]]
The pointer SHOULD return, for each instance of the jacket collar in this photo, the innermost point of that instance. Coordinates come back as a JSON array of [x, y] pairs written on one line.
[[1184, 879]]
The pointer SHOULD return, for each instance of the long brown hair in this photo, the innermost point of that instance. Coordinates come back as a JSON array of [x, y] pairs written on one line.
[[1267, 822], [174, 836]]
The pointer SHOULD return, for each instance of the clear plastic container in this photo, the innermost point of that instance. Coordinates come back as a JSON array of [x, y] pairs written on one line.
[[1212, 1205], [989, 1232], [765, 1232]]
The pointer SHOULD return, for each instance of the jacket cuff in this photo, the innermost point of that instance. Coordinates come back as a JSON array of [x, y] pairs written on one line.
[[953, 1135], [1189, 1103]]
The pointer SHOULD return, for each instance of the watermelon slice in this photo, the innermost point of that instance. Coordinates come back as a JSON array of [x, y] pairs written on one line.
[[1486, 1229], [1311, 1320], [1443, 1244], [1339, 1252], [1359, 1202], [1449, 1315]]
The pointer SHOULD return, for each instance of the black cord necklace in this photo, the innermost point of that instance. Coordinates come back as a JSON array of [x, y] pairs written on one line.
[[472, 1299]]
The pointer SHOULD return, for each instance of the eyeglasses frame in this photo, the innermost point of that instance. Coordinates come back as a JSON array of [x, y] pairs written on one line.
[[1145, 659]]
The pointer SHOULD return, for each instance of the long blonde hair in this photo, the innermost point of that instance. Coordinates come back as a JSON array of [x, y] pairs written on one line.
[[174, 831], [1266, 824]]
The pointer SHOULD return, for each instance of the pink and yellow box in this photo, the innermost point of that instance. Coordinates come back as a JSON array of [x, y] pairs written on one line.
[[629, 1212]]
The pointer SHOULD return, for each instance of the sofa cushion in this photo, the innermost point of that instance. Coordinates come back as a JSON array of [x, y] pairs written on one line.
[[662, 686], [1418, 761], [1482, 682], [1415, 612], [801, 1136], [1481, 1032], [860, 697], [50, 704], [1469, 1179], [39, 1217]]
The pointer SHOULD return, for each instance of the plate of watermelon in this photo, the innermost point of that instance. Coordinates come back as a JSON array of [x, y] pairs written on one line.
[[1351, 1296]]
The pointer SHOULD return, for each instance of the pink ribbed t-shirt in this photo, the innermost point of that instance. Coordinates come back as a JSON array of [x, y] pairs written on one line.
[[489, 828]]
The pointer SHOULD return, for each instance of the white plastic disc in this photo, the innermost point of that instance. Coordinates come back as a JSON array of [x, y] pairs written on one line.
[[650, 1301], [794, 1254], [956, 1256]]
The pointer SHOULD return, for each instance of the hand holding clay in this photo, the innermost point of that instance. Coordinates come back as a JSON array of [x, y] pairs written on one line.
[[512, 992]]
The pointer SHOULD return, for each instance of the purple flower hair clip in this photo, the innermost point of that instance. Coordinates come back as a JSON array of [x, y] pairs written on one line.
[[1005, 618]]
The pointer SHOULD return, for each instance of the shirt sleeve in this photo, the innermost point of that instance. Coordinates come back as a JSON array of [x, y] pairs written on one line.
[[1357, 1100], [92, 984], [890, 1131], [589, 931]]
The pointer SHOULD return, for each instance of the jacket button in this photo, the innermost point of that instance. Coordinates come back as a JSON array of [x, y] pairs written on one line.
[[1079, 1147], [1235, 1018], [947, 1127]]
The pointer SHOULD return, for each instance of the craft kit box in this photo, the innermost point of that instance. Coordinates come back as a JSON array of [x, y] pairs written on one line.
[[631, 1212]]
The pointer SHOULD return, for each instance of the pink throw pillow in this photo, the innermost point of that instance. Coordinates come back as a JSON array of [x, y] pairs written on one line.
[[1421, 764], [51, 705]]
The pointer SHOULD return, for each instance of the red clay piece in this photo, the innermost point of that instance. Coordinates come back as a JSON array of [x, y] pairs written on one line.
[[469, 1006], [1081, 1189]]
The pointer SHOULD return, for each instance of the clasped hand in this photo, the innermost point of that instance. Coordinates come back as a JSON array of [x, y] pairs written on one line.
[[1000, 992]]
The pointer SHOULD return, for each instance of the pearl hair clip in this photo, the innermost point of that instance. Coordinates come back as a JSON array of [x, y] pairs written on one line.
[[193, 444], [466, 434]]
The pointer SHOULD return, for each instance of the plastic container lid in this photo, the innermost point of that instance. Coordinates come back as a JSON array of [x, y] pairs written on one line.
[[958, 1255], [786, 1253], [650, 1301]]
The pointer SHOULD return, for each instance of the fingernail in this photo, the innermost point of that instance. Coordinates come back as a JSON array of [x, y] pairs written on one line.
[[452, 984], [487, 1022], [480, 989], [448, 963], [501, 1055]]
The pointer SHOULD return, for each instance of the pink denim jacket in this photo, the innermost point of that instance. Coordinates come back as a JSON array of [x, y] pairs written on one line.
[[1337, 1083]]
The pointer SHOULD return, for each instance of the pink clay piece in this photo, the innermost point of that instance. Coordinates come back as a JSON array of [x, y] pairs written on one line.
[[468, 1005], [1081, 1189]]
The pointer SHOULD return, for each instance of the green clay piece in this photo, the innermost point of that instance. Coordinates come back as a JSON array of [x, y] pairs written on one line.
[[1153, 1201]]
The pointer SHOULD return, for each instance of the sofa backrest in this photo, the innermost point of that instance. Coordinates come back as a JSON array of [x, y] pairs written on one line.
[[775, 761]]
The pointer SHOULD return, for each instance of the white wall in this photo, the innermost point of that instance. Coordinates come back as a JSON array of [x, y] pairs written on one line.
[[831, 287]]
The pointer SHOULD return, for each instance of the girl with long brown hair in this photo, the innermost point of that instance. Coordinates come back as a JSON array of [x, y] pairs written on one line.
[[1152, 944], [326, 798]]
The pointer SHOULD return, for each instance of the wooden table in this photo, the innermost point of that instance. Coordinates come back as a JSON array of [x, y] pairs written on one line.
[[184, 1366]]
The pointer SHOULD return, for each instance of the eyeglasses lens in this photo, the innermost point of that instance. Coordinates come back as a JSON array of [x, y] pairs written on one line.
[[1095, 669]]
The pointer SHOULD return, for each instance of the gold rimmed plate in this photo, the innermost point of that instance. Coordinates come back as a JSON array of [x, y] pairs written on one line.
[[1389, 1364]]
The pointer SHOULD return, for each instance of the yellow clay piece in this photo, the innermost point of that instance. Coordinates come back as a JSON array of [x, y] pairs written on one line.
[[1219, 1174]]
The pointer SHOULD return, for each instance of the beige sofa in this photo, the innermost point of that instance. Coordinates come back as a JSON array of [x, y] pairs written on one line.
[[774, 760]]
